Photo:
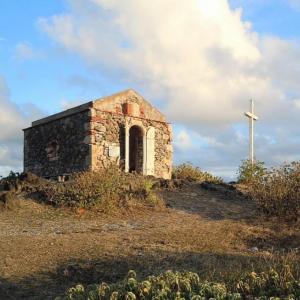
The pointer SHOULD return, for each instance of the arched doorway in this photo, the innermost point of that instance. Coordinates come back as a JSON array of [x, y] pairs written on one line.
[[136, 149]]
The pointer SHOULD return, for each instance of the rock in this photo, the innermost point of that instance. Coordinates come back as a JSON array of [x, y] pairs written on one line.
[[100, 128], [156, 185], [177, 183], [208, 186], [229, 186], [253, 249]]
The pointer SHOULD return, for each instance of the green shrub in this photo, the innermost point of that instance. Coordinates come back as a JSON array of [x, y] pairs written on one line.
[[249, 171], [277, 193], [104, 189], [187, 285], [189, 172]]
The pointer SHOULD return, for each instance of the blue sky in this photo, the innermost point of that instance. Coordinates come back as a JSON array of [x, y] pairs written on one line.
[[43, 77], [276, 17], [58, 53]]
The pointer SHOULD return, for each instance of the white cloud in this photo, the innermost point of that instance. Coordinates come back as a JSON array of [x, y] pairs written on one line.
[[297, 103], [199, 56], [12, 120], [183, 141], [24, 51], [10, 116], [294, 3]]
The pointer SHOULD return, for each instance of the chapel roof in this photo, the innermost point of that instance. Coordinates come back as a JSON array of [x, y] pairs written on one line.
[[107, 103]]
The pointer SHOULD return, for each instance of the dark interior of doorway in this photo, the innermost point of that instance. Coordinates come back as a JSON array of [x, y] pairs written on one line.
[[135, 149]]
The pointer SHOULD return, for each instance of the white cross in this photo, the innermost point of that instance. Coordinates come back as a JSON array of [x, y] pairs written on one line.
[[252, 117]]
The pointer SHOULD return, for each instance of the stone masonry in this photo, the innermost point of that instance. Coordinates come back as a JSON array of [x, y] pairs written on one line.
[[122, 129]]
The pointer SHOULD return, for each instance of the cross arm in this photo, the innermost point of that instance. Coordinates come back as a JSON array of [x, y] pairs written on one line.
[[251, 116]]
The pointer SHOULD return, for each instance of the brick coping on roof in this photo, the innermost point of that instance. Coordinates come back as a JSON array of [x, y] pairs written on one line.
[[64, 114]]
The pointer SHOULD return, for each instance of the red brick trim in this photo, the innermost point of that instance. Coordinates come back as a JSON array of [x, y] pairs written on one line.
[[98, 118]]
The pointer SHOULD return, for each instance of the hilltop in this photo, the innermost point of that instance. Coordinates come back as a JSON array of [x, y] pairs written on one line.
[[211, 229]]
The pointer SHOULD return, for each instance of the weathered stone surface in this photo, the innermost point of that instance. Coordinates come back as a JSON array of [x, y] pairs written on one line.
[[70, 135], [83, 140]]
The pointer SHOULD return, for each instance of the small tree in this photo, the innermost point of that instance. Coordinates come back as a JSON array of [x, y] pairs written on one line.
[[248, 171]]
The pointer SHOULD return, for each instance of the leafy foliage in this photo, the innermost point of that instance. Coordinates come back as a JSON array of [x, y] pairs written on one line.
[[187, 285], [249, 171], [189, 172], [277, 193]]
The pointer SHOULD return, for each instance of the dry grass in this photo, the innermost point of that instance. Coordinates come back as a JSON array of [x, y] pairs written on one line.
[[8, 201], [47, 249], [277, 192], [106, 190], [188, 172]]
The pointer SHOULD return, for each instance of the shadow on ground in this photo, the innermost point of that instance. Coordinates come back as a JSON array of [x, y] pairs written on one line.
[[211, 201], [47, 285]]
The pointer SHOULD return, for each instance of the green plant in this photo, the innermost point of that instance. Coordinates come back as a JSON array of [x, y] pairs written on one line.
[[188, 172], [12, 176], [277, 193], [187, 285], [249, 171]]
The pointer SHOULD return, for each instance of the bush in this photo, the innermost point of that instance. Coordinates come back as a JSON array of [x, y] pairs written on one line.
[[277, 193], [104, 189], [187, 285], [249, 171], [11, 182], [8, 201], [189, 172]]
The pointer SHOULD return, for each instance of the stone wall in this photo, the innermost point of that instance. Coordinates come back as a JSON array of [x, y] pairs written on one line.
[[58, 147], [92, 136], [108, 130], [163, 151]]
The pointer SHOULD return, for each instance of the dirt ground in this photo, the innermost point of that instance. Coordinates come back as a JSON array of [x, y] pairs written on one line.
[[44, 250]]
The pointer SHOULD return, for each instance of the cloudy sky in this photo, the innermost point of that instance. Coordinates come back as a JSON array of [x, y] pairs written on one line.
[[198, 61]]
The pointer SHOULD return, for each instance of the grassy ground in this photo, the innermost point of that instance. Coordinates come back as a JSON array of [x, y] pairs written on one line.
[[45, 250]]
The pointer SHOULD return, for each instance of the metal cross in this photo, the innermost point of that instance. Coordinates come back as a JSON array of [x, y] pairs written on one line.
[[252, 117]]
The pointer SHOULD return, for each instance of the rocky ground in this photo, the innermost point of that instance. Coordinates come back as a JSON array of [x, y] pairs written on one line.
[[210, 229]]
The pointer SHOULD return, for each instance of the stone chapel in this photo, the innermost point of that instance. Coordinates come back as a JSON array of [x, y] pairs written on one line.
[[122, 129]]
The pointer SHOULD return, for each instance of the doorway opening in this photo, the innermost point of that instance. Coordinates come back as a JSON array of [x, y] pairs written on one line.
[[136, 149]]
